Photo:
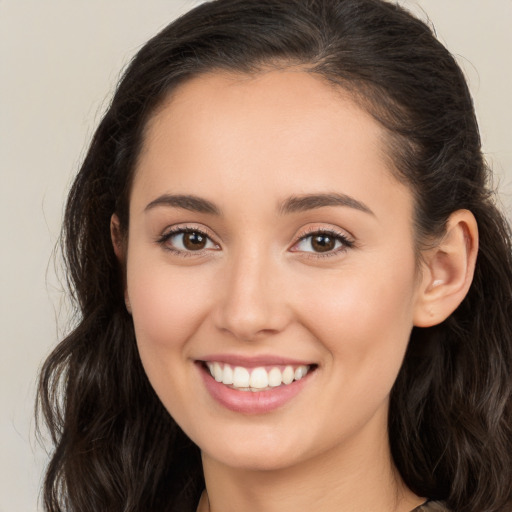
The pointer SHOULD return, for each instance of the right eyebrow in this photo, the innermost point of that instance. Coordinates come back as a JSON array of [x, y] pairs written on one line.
[[187, 202]]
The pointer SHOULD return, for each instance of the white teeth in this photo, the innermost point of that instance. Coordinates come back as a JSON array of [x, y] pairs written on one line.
[[217, 372], [259, 378], [256, 379], [228, 375], [241, 377], [275, 377], [300, 372], [288, 375]]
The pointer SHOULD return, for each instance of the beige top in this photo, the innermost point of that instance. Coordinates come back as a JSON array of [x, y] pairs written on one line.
[[431, 506]]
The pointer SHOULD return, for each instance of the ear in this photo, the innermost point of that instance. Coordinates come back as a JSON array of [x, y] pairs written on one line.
[[118, 241], [447, 270], [119, 245]]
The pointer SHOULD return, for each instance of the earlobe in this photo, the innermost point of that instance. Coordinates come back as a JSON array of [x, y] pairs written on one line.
[[448, 270]]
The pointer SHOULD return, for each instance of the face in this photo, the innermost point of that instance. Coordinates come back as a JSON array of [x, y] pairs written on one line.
[[270, 268]]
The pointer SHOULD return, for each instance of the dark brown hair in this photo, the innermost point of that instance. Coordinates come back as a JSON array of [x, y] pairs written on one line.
[[116, 448]]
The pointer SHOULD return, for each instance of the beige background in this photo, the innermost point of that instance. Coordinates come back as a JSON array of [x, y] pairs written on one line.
[[59, 60]]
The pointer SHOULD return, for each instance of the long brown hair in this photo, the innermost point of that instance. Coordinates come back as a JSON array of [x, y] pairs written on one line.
[[116, 448]]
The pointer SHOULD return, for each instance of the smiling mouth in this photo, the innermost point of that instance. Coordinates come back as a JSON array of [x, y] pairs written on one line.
[[256, 379]]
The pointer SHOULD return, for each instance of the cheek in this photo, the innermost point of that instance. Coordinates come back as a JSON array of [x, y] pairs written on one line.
[[364, 317], [364, 322], [167, 305]]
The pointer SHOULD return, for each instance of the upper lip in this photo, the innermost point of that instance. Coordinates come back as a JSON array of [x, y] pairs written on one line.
[[253, 361]]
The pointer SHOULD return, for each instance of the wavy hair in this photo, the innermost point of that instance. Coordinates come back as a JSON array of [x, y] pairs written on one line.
[[450, 421]]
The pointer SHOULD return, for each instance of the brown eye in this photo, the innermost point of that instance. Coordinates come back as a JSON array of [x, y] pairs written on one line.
[[323, 243], [194, 241], [187, 241]]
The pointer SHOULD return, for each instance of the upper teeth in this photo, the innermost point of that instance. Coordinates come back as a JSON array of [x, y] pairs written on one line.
[[255, 379]]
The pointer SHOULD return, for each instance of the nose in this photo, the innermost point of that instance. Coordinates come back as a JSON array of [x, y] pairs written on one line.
[[252, 302]]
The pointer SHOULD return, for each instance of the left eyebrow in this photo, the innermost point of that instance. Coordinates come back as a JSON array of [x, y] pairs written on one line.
[[312, 201]]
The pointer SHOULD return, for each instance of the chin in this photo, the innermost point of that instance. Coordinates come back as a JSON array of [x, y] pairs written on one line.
[[252, 461], [256, 454]]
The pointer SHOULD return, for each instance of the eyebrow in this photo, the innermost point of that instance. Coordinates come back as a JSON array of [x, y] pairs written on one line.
[[293, 204], [187, 202], [312, 201]]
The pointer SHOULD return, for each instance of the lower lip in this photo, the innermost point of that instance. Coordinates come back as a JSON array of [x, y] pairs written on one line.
[[251, 402]]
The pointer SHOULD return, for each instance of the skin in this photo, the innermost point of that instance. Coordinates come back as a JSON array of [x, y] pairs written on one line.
[[247, 145]]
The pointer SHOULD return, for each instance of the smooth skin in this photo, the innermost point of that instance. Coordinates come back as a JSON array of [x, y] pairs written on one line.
[[248, 278]]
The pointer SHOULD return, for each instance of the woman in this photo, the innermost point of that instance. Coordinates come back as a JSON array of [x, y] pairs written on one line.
[[294, 287]]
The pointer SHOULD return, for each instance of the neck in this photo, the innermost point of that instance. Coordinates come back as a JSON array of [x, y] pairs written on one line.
[[342, 480]]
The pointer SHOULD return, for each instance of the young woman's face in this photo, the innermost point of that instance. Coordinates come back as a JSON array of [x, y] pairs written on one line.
[[270, 245]]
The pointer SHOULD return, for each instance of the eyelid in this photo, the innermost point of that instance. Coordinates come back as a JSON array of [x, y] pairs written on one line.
[[347, 240], [171, 231], [324, 228]]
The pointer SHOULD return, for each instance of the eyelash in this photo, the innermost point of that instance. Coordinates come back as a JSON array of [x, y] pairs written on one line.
[[164, 239], [346, 243]]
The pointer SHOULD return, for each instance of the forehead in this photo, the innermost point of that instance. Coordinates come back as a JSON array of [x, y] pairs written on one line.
[[270, 99], [285, 130]]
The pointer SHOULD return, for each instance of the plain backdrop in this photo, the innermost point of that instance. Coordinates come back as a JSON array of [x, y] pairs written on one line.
[[59, 62]]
